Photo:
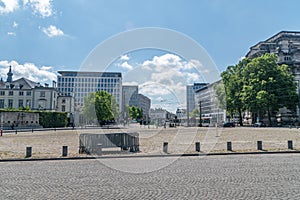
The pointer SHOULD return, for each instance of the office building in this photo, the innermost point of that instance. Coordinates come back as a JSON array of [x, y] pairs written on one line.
[[79, 84]]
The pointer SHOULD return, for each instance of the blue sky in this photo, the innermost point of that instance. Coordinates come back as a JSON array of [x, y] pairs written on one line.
[[40, 37]]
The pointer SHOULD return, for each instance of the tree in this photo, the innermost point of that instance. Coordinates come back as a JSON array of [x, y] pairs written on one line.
[[219, 90], [89, 111], [233, 85], [260, 86], [135, 112], [194, 113], [268, 86], [100, 106]]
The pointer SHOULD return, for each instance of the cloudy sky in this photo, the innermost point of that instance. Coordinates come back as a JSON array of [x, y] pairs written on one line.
[[40, 37]]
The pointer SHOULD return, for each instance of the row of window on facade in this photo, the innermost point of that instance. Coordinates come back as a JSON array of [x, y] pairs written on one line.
[[10, 103], [90, 85], [110, 90], [91, 80], [21, 93]]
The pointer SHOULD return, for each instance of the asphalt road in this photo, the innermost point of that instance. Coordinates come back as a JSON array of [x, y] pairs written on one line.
[[210, 177]]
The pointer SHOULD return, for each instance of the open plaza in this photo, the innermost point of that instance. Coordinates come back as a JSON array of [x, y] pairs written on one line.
[[181, 140]]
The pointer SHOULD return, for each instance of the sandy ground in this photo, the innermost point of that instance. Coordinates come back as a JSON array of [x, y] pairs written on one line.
[[48, 144]]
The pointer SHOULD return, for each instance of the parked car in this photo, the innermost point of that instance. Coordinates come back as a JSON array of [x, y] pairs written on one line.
[[228, 124], [259, 124]]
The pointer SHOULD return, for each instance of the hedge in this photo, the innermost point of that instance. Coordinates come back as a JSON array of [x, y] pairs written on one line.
[[53, 119]]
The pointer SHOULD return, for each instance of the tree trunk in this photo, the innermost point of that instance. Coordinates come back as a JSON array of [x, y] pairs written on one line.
[[269, 117], [240, 118]]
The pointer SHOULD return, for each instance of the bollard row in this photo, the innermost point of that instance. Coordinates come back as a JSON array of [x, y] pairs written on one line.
[[229, 146], [29, 151]]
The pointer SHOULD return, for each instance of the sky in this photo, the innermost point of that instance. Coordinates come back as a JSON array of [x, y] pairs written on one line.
[[40, 37]]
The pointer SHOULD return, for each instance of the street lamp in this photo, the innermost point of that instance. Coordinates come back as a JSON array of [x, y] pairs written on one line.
[[200, 115]]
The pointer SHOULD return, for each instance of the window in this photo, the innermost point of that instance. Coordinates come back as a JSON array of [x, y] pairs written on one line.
[[21, 93], [21, 105], [10, 103], [42, 94], [28, 103], [63, 108], [2, 93], [11, 93], [28, 93], [63, 101], [1, 103]]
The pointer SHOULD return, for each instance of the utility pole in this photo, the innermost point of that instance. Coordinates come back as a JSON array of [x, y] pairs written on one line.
[[200, 114]]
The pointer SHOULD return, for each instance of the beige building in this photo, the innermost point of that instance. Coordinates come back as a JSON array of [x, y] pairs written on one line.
[[24, 93]]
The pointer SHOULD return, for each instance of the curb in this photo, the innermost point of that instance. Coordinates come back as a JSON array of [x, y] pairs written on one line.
[[150, 156]]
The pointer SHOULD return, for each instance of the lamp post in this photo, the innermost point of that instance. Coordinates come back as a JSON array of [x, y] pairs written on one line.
[[200, 115]]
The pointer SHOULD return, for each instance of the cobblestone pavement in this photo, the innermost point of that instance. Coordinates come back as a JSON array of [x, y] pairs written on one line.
[[210, 177]]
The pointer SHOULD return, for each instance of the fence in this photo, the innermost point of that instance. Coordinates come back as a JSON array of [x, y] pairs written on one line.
[[93, 143]]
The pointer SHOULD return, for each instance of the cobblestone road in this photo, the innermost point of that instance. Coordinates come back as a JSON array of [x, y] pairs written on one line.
[[210, 177]]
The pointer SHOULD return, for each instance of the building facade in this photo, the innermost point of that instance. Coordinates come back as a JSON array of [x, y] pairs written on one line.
[[286, 45], [161, 116], [130, 95], [190, 98], [144, 103], [206, 99], [24, 93], [80, 84]]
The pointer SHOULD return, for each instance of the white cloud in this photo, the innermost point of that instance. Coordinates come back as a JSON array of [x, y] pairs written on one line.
[[126, 66], [192, 77], [9, 6], [124, 58], [159, 63], [27, 70], [41, 7], [192, 64], [154, 89], [53, 31], [15, 24], [11, 33]]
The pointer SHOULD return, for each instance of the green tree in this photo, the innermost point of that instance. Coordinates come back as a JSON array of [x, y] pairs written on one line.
[[268, 86], [233, 85], [135, 112], [220, 95], [195, 113], [100, 106], [89, 111]]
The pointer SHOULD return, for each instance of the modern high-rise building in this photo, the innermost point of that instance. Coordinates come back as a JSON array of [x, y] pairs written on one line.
[[190, 97], [79, 84], [144, 103], [131, 97], [206, 99]]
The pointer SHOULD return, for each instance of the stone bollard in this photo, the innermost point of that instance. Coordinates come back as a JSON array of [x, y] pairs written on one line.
[[259, 145], [165, 147], [229, 146], [65, 151], [290, 144], [197, 144], [28, 152], [99, 149]]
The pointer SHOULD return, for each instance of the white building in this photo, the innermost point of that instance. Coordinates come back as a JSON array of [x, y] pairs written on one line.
[[80, 84], [207, 103]]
